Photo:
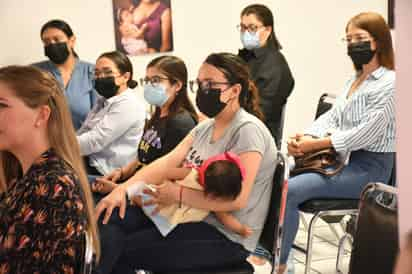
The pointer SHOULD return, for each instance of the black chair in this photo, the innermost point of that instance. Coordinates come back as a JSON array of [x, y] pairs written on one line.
[[329, 210], [271, 236], [376, 242]]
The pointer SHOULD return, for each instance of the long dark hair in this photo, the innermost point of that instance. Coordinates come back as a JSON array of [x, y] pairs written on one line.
[[60, 25], [237, 71], [123, 63], [175, 70], [377, 27], [265, 16]]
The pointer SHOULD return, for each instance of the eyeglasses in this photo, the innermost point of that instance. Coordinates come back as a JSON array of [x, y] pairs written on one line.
[[154, 81], [348, 39], [251, 28], [104, 73], [195, 85]]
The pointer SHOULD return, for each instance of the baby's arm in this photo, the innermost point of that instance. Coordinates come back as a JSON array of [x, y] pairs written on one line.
[[233, 224]]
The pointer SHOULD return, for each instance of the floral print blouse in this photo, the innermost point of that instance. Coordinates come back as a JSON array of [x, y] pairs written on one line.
[[42, 219]]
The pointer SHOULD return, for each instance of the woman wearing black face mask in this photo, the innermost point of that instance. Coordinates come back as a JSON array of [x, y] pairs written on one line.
[[75, 76], [114, 126], [360, 126], [228, 96]]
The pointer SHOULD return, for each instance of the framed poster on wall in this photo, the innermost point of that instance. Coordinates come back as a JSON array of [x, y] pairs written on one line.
[[143, 26], [391, 13]]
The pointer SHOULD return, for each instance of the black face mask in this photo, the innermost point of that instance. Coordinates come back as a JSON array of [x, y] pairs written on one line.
[[57, 52], [106, 87], [208, 102], [360, 53]]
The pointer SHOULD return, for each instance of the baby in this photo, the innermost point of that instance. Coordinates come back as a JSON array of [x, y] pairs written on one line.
[[128, 30], [219, 177]]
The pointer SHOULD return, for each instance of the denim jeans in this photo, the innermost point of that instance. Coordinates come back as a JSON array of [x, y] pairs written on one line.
[[364, 167]]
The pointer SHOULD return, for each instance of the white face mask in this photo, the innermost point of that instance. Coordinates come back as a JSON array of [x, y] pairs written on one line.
[[250, 40]]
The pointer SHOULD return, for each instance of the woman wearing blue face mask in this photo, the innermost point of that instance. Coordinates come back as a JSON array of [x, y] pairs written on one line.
[[267, 65], [74, 75], [165, 88]]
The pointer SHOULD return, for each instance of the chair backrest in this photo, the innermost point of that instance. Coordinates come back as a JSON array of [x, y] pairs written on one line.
[[376, 244], [325, 103], [271, 236]]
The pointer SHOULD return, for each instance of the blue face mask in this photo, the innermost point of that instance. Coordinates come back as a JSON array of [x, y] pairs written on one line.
[[250, 40], [155, 95]]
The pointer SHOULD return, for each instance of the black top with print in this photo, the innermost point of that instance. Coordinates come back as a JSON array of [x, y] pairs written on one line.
[[42, 219], [163, 136]]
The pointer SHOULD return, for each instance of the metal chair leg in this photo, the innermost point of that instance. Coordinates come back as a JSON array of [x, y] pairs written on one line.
[[341, 250], [310, 241]]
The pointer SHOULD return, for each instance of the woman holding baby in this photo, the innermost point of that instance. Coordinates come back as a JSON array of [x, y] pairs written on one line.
[[226, 94], [146, 27]]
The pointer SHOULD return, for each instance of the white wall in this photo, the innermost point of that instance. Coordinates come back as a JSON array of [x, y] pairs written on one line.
[[309, 30], [403, 16]]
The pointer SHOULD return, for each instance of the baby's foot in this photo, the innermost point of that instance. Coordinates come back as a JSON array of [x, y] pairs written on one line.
[[103, 186], [246, 232]]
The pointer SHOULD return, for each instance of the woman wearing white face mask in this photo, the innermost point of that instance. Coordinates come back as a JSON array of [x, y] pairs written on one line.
[[165, 87], [267, 65]]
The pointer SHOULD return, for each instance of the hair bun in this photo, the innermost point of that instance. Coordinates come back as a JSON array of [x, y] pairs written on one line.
[[131, 83]]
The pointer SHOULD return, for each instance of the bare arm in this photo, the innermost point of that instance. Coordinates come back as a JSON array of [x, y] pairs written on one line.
[[170, 193], [230, 221], [177, 173], [156, 172], [166, 20]]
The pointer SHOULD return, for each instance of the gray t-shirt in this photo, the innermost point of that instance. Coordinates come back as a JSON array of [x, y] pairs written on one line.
[[246, 133]]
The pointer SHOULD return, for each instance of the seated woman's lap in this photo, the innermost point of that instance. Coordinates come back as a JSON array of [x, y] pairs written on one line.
[[188, 246], [363, 168]]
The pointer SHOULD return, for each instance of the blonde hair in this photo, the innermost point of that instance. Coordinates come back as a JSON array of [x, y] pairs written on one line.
[[36, 88]]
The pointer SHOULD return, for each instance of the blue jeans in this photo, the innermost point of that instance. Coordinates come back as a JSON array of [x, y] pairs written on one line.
[[364, 167]]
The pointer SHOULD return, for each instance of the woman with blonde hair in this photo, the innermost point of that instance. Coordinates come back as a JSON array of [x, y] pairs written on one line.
[[46, 207]]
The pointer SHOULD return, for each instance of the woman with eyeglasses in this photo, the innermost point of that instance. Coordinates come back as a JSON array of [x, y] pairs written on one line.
[[360, 126], [269, 68], [109, 135], [165, 88], [74, 75], [227, 95]]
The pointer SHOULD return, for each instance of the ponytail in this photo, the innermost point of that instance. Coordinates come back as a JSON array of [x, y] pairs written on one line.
[[249, 100], [131, 83]]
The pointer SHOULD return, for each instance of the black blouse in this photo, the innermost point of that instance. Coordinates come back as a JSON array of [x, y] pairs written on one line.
[[42, 219]]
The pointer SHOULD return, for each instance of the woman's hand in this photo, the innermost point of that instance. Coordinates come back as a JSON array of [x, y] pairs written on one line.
[[301, 144], [163, 195], [116, 198]]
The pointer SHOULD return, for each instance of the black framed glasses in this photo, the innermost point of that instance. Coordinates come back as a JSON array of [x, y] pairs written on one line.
[[154, 80], [251, 28], [195, 85]]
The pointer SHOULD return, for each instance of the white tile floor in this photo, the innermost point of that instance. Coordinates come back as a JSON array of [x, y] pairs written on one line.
[[324, 253]]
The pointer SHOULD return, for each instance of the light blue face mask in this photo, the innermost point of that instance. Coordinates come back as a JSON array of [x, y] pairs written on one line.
[[155, 95], [250, 40]]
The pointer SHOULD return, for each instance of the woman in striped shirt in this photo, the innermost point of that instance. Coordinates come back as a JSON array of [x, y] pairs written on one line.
[[361, 125]]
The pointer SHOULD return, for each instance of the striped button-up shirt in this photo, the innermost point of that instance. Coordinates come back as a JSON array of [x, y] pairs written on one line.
[[365, 120]]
